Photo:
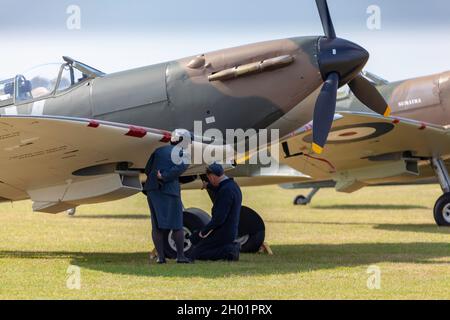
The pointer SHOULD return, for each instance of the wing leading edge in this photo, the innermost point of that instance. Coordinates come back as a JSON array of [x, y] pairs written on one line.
[[39, 156], [62, 162]]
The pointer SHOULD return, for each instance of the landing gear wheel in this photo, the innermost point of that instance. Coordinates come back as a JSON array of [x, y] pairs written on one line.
[[442, 211], [193, 219], [300, 200], [71, 212], [252, 231]]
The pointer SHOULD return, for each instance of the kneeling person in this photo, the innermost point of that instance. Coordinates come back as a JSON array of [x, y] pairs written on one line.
[[217, 240]]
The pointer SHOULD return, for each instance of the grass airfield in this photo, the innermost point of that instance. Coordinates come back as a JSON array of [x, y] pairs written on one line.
[[321, 252]]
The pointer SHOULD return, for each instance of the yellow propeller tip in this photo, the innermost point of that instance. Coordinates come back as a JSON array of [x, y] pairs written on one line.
[[317, 149], [387, 113]]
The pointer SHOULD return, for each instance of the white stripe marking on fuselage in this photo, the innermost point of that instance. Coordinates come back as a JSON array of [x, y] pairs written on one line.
[[11, 111], [38, 108]]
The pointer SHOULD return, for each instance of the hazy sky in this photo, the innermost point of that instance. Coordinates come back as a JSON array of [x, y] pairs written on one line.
[[414, 38]]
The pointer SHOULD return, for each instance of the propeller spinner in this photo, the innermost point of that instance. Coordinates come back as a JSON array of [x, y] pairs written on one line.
[[340, 62]]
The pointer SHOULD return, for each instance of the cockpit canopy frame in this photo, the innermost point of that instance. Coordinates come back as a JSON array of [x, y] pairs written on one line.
[[69, 75], [88, 70]]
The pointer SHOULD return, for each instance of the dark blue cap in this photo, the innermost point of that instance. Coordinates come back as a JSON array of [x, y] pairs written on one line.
[[215, 169]]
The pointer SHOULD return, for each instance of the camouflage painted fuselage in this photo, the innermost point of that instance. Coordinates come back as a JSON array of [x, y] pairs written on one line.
[[425, 99], [175, 94]]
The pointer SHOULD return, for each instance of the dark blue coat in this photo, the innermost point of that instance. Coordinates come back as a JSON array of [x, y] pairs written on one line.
[[164, 196], [161, 160], [227, 198]]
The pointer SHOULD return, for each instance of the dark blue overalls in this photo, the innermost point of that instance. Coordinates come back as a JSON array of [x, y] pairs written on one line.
[[220, 245]]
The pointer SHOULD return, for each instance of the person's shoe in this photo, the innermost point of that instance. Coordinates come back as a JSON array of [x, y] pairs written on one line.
[[184, 260], [161, 261]]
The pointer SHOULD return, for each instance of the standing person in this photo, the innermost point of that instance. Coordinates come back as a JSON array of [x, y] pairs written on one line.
[[217, 239], [164, 195]]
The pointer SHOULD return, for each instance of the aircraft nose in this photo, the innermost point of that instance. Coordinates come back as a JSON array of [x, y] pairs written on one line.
[[341, 56]]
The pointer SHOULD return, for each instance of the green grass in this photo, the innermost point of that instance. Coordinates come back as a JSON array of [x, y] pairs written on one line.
[[321, 252]]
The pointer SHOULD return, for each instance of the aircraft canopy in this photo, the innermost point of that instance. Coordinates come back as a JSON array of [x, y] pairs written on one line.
[[45, 80]]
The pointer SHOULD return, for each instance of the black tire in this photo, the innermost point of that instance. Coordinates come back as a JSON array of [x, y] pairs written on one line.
[[442, 211], [300, 201], [252, 231], [193, 220]]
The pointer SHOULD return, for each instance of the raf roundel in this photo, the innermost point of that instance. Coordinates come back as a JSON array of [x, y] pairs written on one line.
[[356, 133], [351, 134]]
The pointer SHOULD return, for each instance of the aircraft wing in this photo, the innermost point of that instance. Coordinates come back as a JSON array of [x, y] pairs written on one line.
[[366, 148], [62, 162]]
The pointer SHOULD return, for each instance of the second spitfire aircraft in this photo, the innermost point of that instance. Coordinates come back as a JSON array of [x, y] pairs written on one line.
[[71, 135], [411, 147]]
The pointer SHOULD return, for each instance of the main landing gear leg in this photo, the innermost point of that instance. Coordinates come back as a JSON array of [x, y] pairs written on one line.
[[301, 200], [442, 206]]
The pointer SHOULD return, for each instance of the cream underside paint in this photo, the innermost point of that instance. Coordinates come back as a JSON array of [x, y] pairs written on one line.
[[42, 153], [351, 134], [40, 156], [98, 189], [352, 180], [349, 162]]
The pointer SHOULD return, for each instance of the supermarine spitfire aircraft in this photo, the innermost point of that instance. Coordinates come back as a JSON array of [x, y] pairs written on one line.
[[72, 135], [411, 147]]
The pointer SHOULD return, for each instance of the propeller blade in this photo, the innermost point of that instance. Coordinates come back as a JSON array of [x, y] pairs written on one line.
[[325, 16], [324, 112], [369, 95]]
